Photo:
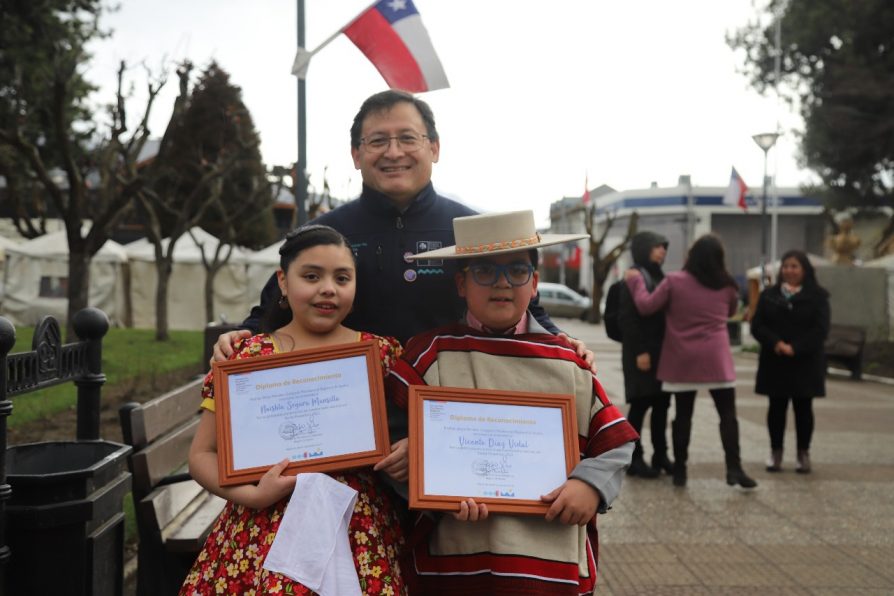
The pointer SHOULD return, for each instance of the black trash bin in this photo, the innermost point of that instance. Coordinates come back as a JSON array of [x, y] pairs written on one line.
[[65, 519]]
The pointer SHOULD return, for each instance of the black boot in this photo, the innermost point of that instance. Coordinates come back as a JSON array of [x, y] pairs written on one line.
[[638, 466], [658, 428], [680, 436], [661, 463], [729, 437]]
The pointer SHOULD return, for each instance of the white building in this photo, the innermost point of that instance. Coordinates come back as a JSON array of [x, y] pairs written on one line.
[[682, 213]]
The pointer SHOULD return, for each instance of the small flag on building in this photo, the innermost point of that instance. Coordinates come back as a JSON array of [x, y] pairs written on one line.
[[735, 193], [391, 34]]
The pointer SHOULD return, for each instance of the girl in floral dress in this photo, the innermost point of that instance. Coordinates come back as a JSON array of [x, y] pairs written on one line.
[[317, 280]]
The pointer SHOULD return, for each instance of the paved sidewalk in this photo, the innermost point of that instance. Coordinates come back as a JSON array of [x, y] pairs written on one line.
[[829, 532]]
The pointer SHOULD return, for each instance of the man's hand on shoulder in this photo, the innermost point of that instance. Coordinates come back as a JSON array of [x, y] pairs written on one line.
[[223, 347], [581, 349]]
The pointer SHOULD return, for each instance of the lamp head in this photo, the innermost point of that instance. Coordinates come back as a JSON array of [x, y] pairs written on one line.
[[766, 140]]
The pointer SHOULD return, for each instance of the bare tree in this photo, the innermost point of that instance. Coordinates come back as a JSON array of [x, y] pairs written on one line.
[[602, 264], [100, 175], [231, 222]]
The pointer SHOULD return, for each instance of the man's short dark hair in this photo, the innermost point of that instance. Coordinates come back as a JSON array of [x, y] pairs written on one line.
[[384, 101]]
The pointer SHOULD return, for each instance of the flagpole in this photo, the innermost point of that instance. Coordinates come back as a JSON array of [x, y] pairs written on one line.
[[300, 178], [299, 68]]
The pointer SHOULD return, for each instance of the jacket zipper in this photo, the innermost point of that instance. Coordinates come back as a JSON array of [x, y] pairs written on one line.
[[379, 258], [400, 223]]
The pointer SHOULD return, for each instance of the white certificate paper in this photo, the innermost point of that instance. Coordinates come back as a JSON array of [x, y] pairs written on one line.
[[303, 412], [475, 449]]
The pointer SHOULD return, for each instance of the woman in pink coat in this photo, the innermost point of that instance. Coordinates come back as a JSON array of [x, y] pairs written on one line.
[[695, 353]]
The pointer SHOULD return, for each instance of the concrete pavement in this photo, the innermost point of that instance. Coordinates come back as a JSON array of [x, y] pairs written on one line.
[[829, 532]]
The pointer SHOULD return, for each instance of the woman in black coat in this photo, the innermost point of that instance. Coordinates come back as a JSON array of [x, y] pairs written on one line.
[[641, 339], [791, 323]]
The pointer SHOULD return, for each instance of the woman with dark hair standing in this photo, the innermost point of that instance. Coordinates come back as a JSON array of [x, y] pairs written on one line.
[[695, 352], [791, 323]]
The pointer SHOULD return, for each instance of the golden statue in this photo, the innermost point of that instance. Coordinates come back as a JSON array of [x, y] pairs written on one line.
[[845, 243]]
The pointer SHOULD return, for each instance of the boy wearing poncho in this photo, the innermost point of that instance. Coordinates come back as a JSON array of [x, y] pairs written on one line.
[[500, 346]]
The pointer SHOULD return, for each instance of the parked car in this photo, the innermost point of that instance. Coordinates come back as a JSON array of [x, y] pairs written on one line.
[[562, 301]]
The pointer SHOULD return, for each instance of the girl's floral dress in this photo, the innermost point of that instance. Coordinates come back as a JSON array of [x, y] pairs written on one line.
[[230, 562]]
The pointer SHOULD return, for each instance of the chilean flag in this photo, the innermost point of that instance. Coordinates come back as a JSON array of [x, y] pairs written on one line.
[[391, 34], [735, 193]]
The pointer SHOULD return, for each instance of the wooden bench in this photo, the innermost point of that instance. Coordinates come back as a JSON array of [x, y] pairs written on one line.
[[174, 514], [844, 346]]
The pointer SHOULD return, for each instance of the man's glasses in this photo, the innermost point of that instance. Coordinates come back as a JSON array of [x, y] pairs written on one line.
[[488, 274], [407, 142]]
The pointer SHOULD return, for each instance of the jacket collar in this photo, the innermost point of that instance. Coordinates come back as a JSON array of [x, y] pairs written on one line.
[[378, 202]]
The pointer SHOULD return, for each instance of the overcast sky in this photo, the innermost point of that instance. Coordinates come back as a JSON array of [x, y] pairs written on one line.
[[541, 92]]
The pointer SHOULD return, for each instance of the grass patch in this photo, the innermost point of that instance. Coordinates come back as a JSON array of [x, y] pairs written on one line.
[[129, 356]]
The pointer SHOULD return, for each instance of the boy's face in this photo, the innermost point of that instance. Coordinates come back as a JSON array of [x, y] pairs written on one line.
[[500, 305]]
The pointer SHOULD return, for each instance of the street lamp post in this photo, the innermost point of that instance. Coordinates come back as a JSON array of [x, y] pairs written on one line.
[[765, 141]]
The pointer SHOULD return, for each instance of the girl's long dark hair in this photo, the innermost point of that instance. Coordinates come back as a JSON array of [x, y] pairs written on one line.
[[706, 263], [297, 241], [809, 281]]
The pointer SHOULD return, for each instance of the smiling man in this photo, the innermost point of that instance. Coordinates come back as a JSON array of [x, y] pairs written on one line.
[[394, 144]]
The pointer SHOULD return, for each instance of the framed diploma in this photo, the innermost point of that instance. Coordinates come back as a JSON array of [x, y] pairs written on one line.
[[323, 408], [502, 448]]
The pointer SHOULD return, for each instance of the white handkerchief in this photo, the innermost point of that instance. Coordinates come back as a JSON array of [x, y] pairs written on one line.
[[311, 544]]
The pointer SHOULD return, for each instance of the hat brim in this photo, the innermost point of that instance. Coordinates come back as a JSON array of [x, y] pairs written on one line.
[[449, 252]]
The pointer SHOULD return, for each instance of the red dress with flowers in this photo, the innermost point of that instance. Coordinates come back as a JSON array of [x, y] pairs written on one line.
[[230, 562]]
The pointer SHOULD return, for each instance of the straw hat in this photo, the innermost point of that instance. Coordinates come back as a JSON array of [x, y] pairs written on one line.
[[495, 233]]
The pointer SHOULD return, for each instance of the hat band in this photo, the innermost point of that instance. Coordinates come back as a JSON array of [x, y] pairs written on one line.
[[492, 246]]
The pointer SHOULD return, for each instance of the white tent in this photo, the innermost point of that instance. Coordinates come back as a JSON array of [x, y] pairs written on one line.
[[261, 265], [887, 263], [36, 280], [186, 286]]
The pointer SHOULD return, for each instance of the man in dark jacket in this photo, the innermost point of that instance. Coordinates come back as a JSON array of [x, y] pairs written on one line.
[[641, 346]]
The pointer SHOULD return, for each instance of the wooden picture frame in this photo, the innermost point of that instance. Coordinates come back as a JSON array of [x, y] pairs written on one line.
[[279, 403], [490, 401]]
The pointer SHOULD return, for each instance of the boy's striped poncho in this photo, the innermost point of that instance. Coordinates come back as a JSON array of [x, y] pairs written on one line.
[[508, 554]]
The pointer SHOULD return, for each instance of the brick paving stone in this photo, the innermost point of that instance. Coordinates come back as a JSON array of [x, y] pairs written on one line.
[[753, 575], [717, 553], [851, 591], [682, 535], [640, 575], [633, 553], [879, 559], [787, 533], [806, 554], [611, 535], [835, 576]]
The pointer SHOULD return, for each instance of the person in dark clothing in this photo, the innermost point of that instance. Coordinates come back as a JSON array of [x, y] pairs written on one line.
[[791, 323], [641, 347], [394, 144]]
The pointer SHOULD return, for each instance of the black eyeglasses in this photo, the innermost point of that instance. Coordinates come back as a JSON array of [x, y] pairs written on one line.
[[488, 274], [408, 141]]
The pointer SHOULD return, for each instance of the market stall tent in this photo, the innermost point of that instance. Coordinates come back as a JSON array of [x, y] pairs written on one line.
[[186, 287], [35, 280]]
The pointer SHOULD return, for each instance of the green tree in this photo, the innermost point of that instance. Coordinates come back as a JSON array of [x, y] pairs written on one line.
[[836, 64], [209, 174]]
